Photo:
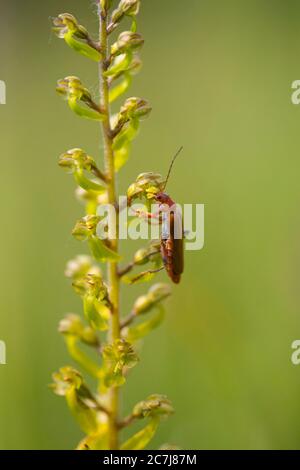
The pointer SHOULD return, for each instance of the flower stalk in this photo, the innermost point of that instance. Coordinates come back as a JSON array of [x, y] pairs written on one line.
[[112, 268], [103, 329]]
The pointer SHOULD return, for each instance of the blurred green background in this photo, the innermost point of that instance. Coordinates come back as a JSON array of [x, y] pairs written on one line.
[[218, 75]]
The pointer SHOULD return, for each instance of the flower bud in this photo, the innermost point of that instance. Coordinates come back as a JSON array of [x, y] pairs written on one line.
[[146, 184], [90, 196], [80, 266], [154, 405], [155, 295], [127, 41], [154, 246], [142, 305], [126, 7], [141, 256], [72, 325], [134, 108], [89, 336], [130, 7], [159, 292], [76, 158]]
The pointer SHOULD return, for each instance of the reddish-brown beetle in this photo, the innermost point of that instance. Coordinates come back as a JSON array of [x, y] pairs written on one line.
[[172, 232], [171, 241]]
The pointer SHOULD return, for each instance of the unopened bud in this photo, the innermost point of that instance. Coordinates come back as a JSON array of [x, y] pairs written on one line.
[[146, 184], [155, 295], [76, 158], [130, 7], [141, 256], [146, 254], [127, 41], [154, 405], [142, 305], [73, 325], [89, 336], [135, 108], [80, 266], [126, 7], [159, 292], [90, 195]]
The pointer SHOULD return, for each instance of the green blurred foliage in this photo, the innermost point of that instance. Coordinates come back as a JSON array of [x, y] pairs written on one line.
[[218, 75]]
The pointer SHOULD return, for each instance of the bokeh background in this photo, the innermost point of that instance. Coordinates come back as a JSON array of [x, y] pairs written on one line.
[[218, 75]]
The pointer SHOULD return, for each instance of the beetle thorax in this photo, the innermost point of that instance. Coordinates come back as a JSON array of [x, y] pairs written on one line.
[[164, 198]]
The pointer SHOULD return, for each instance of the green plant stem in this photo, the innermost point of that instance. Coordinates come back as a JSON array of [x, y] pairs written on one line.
[[112, 273]]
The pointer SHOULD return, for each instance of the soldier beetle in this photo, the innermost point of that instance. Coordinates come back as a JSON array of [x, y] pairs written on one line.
[[171, 244], [171, 240]]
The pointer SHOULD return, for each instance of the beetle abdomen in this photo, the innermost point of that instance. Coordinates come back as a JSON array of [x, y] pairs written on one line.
[[172, 252]]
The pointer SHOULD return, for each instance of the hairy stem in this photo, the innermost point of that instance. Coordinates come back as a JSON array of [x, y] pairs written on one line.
[[112, 273]]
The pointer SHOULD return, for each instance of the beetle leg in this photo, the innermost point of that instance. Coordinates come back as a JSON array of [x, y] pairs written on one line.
[[149, 216], [131, 265]]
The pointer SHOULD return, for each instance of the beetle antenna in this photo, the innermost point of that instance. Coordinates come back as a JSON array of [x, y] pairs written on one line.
[[171, 165]]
